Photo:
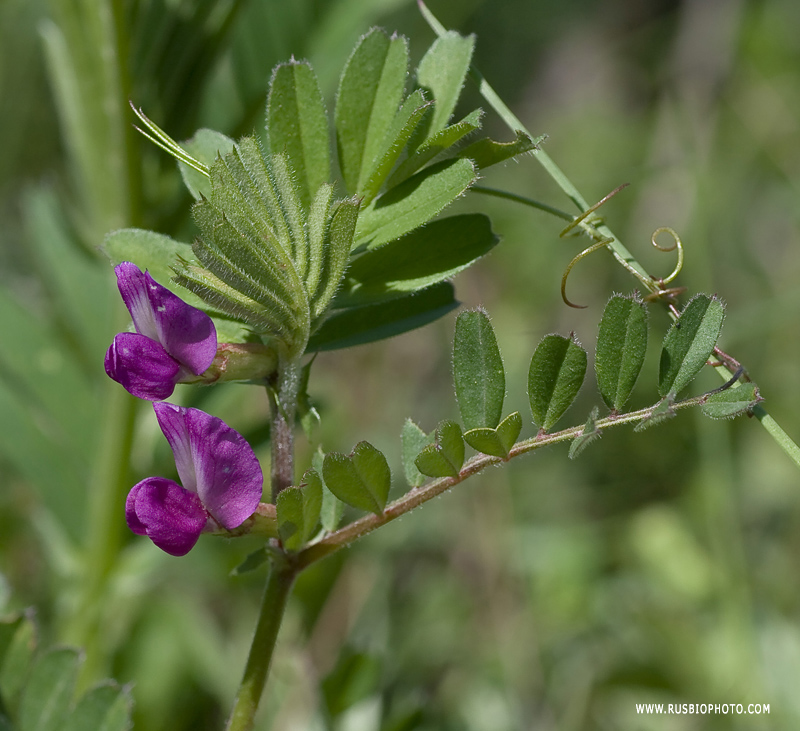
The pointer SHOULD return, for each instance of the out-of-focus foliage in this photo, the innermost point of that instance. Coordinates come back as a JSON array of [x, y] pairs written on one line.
[[553, 594]]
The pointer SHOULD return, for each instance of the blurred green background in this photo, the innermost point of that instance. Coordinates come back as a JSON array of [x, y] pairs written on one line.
[[550, 594]]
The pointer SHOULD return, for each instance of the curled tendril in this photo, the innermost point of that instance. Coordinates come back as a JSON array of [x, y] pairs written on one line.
[[677, 245], [594, 247], [589, 211]]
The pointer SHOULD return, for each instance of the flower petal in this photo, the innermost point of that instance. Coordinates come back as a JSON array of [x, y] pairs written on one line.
[[215, 461], [134, 290], [172, 420], [187, 334], [142, 366], [173, 518]]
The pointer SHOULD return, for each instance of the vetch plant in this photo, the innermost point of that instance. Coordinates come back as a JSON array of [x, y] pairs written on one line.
[[301, 248]]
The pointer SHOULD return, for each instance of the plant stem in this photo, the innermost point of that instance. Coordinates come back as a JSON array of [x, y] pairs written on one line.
[[282, 393], [283, 406], [273, 605]]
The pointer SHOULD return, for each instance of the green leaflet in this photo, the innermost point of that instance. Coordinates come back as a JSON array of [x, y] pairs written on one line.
[[417, 260], [370, 91], [298, 126], [413, 203], [689, 343], [358, 325], [106, 707], [485, 152], [621, 348], [299, 510], [589, 434], [442, 71], [496, 442], [206, 146], [445, 457], [732, 401], [48, 693], [361, 479], [330, 257], [405, 122], [17, 644], [435, 145], [478, 371], [413, 441], [554, 378]]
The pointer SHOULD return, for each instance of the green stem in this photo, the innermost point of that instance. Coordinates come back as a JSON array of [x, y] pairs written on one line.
[[783, 440], [273, 605]]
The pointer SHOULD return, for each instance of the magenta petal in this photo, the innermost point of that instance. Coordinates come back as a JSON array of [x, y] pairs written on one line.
[[215, 460], [186, 333], [173, 518], [142, 366], [133, 287]]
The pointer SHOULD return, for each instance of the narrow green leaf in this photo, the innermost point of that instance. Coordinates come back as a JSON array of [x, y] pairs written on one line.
[[414, 202], [333, 255], [206, 146], [406, 121], [732, 401], [359, 325], [361, 479], [417, 260], [298, 126], [662, 411], [690, 342], [413, 441], [435, 145], [555, 376], [589, 434], [442, 71], [621, 348], [106, 707], [370, 92], [48, 694], [485, 152], [17, 645], [445, 457], [496, 442], [478, 371]]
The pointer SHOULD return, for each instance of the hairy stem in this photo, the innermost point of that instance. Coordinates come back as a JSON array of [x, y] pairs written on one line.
[[283, 406], [273, 605]]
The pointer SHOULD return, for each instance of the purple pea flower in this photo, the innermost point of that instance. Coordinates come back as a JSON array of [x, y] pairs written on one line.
[[221, 478], [172, 339]]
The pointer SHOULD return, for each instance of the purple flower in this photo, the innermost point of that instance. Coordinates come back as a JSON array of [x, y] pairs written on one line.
[[172, 339], [221, 478]]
